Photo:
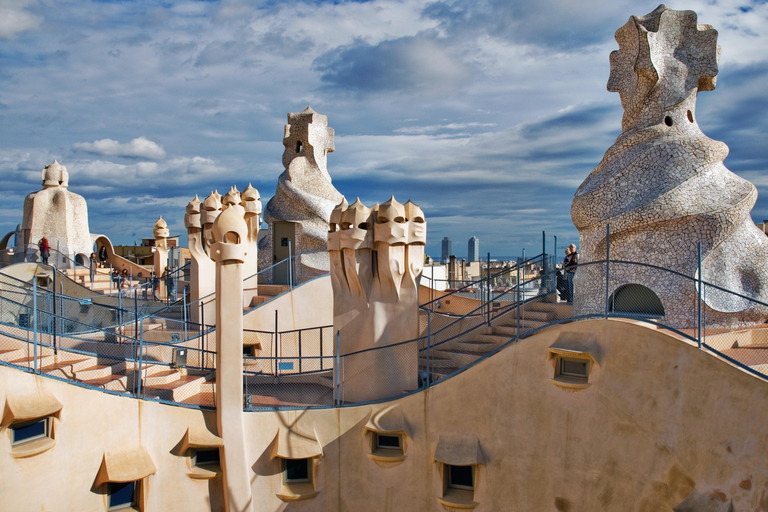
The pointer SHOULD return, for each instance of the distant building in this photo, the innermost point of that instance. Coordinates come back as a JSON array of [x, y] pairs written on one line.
[[143, 254], [446, 253], [473, 249]]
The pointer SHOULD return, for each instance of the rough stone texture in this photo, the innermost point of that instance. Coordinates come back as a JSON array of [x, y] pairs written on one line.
[[663, 188], [377, 255], [58, 214], [304, 193]]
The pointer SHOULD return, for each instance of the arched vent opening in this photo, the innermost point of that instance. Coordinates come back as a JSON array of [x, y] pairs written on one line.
[[636, 300]]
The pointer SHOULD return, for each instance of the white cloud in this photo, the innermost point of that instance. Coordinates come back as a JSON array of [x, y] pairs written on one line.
[[14, 19], [433, 128], [138, 147]]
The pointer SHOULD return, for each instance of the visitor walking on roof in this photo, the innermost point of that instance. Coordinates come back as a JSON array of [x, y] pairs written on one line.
[[170, 284], [93, 267], [155, 285], [103, 255], [116, 278], [570, 264], [45, 250]]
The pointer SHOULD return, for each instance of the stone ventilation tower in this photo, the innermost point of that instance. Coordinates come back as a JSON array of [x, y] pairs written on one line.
[[161, 234], [58, 214], [377, 255], [199, 220], [663, 187], [228, 251], [298, 213]]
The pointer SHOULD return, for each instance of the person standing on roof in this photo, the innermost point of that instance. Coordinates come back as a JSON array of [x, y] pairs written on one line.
[[45, 250], [570, 263], [155, 285], [93, 267]]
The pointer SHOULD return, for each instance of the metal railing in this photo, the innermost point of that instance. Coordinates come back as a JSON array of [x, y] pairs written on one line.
[[305, 368], [30, 253], [450, 344]]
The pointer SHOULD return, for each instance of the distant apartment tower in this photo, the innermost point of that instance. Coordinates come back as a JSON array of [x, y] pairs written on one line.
[[473, 249], [446, 254]]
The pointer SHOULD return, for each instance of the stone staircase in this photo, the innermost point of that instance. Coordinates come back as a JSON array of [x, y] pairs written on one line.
[[266, 292], [178, 384], [82, 276], [159, 381], [749, 346], [92, 370], [533, 315], [449, 357]]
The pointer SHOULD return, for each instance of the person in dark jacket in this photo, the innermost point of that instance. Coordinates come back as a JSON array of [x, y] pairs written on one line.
[[570, 264], [103, 256], [562, 280]]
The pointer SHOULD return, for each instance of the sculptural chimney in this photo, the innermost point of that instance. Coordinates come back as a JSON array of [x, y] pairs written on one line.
[[228, 250]]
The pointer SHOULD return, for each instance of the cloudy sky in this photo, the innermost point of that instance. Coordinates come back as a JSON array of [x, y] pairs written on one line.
[[486, 113]]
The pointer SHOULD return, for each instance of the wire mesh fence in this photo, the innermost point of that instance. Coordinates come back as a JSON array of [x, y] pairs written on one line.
[[128, 345]]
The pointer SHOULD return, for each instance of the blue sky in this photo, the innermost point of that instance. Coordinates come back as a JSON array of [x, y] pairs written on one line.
[[486, 113]]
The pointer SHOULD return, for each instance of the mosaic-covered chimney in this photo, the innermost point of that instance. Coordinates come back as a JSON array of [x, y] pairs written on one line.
[[663, 187]]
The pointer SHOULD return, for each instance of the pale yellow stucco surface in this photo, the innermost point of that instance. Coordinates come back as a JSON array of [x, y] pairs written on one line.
[[660, 420]]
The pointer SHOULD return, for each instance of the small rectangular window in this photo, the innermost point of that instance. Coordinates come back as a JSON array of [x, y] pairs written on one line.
[[574, 367], [29, 431], [122, 495], [388, 442], [205, 457], [461, 477], [297, 470]]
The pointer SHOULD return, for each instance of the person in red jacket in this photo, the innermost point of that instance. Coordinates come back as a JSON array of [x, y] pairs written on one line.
[[45, 250]]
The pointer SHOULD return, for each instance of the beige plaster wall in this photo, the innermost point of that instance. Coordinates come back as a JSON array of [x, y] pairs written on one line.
[[306, 306], [660, 420], [90, 423]]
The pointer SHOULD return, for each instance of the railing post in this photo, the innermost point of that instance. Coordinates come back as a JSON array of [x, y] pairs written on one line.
[[321, 348], [337, 371], [429, 345], [274, 354], [61, 303], [607, 269], [699, 301], [48, 309], [299, 351], [519, 301], [34, 323], [488, 278], [136, 313], [202, 331], [111, 279], [141, 355], [184, 296], [55, 348], [120, 313], [290, 266], [432, 290]]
